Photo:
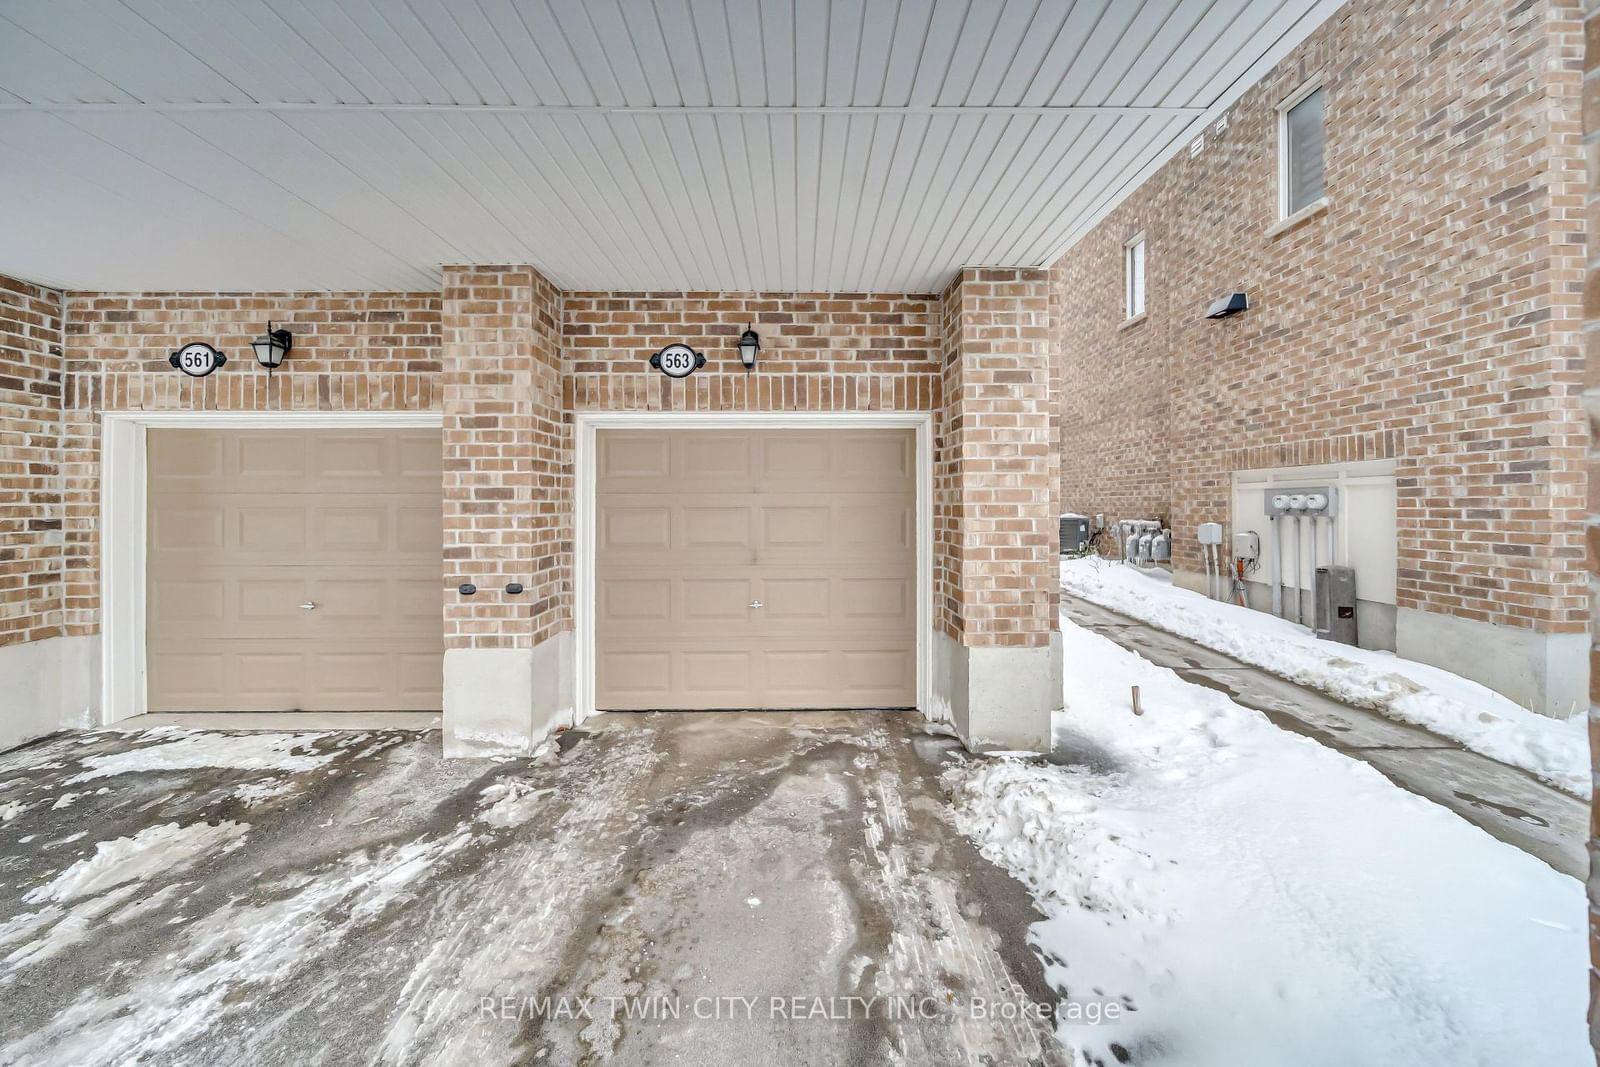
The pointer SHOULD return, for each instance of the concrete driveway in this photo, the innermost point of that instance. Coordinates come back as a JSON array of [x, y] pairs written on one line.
[[709, 888]]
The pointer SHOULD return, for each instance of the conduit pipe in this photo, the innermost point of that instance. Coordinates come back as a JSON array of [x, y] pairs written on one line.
[[1277, 566], [1294, 582]]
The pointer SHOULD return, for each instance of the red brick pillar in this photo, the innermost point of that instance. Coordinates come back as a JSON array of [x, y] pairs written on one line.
[[998, 649], [507, 507]]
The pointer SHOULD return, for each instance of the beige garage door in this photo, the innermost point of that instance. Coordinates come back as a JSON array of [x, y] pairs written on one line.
[[247, 529], [755, 569]]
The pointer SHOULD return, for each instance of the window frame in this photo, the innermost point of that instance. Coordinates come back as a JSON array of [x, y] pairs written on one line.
[[1286, 105], [1136, 241]]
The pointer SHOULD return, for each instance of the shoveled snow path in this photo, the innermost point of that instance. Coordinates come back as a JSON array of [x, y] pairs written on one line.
[[1556, 750]]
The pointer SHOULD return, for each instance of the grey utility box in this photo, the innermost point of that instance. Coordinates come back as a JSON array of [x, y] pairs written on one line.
[[1336, 604], [1074, 533]]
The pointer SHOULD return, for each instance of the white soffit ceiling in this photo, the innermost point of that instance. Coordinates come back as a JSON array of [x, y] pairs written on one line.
[[614, 144]]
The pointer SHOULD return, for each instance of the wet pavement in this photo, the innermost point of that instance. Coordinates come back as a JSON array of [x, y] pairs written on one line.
[[699, 888], [1507, 802]]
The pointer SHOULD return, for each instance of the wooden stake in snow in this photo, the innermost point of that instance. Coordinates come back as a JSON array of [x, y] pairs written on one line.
[[1137, 710]]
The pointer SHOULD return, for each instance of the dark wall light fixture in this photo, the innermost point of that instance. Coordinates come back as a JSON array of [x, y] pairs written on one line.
[[1231, 304], [271, 347], [749, 345]]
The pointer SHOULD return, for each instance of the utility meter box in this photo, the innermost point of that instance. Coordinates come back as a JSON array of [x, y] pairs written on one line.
[[1210, 533], [1335, 598], [1247, 546], [1074, 533]]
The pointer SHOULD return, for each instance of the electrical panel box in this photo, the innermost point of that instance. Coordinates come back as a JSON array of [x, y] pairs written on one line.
[[1317, 502], [1210, 533], [1074, 533], [1247, 546], [1335, 599]]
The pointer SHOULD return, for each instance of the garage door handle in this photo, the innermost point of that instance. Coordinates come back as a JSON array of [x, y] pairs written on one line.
[[757, 604], [309, 605]]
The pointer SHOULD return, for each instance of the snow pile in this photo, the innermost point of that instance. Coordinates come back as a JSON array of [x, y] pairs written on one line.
[[1235, 895], [178, 749], [153, 850], [1556, 750]]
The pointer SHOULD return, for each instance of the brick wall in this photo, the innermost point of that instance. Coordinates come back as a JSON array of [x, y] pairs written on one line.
[[819, 351], [994, 506], [1591, 397], [507, 459], [1431, 314], [352, 352], [30, 462], [507, 357]]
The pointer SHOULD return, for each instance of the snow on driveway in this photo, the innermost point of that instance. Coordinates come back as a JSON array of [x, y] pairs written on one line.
[[1238, 896], [1555, 750]]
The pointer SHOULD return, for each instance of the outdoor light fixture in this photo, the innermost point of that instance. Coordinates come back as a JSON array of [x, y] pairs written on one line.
[[749, 345], [272, 346], [1231, 304]]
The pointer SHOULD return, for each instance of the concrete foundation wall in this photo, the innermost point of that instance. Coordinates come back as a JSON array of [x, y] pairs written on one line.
[[506, 701], [49, 685], [1547, 673], [999, 698]]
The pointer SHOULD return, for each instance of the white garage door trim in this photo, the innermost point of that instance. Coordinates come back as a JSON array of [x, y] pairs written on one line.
[[123, 508], [589, 423]]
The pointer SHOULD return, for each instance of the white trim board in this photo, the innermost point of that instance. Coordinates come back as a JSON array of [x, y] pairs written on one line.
[[588, 423], [123, 525]]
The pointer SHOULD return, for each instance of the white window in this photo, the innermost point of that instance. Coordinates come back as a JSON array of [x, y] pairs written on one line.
[[1133, 276], [1300, 149]]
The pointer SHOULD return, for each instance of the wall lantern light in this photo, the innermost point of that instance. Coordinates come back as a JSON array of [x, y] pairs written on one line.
[[1231, 304], [749, 345], [272, 346]]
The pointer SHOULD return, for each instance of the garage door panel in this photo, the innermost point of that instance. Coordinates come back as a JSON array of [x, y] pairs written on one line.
[[271, 457], [626, 673], [265, 529], [816, 526], [287, 518], [636, 529], [270, 605], [364, 458], [708, 457], [269, 673], [877, 669], [798, 678], [716, 600], [187, 454], [200, 676], [418, 530], [634, 600], [876, 528], [881, 599], [718, 673], [637, 456], [355, 529], [709, 528], [796, 527], [804, 457], [804, 600], [187, 529]]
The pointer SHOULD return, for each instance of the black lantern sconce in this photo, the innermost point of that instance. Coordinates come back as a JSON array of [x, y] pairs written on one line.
[[272, 346], [749, 345]]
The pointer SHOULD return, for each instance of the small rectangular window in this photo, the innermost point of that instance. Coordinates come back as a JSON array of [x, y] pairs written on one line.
[[1133, 275], [1300, 141]]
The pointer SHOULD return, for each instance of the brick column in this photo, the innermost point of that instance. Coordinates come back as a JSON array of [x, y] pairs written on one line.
[[998, 650], [1591, 403], [507, 493]]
